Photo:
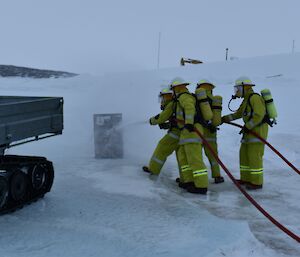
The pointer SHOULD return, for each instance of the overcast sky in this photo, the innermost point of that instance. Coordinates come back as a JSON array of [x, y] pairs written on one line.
[[96, 36]]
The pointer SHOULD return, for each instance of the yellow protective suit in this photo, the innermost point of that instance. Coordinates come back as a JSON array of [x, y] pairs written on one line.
[[211, 138], [190, 158], [253, 111], [168, 144]]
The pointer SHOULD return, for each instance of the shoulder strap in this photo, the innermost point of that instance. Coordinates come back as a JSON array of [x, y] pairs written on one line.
[[210, 101], [183, 93], [198, 115], [249, 103], [174, 107]]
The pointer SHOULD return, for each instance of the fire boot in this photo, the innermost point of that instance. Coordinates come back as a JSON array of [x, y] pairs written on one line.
[[219, 180], [196, 190], [242, 182], [185, 185], [146, 169], [250, 186]]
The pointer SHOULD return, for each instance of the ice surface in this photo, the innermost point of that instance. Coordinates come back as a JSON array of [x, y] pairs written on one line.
[[112, 208]]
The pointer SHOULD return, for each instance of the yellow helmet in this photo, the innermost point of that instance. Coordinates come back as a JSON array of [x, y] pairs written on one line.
[[165, 96], [205, 81], [165, 91], [242, 84], [244, 81]]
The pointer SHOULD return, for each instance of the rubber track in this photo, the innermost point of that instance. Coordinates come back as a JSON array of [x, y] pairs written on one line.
[[11, 162], [20, 206]]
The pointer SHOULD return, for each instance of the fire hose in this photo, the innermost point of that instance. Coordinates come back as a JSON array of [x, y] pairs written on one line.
[[268, 144], [258, 206]]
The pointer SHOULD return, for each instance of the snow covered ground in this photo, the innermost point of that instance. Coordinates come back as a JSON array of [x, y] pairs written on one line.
[[111, 208]]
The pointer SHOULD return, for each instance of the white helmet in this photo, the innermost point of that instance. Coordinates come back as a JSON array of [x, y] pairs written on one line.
[[178, 82]]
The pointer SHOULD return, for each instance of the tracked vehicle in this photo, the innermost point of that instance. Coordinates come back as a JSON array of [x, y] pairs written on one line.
[[24, 179]]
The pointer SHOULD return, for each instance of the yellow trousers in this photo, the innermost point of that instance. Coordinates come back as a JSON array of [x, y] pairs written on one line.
[[165, 147], [193, 168], [251, 162], [212, 140]]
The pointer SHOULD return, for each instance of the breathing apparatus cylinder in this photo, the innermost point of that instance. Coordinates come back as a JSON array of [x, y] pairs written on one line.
[[217, 110], [270, 106], [206, 111]]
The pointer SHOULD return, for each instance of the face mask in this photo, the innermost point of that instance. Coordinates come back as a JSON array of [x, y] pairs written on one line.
[[159, 99], [238, 91], [162, 100]]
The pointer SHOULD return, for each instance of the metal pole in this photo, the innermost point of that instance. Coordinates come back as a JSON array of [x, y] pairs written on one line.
[[226, 54], [293, 48], [158, 53]]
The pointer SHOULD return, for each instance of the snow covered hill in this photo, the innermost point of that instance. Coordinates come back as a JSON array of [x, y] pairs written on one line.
[[111, 208]]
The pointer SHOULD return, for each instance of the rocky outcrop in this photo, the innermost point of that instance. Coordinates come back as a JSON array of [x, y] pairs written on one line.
[[15, 71]]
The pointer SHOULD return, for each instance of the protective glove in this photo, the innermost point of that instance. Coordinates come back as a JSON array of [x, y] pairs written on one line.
[[165, 125], [212, 128], [244, 130], [224, 119], [151, 119], [189, 127], [173, 123]]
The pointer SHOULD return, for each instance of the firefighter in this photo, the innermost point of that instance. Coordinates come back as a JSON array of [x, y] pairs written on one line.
[[169, 143], [192, 168], [253, 112], [210, 130]]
